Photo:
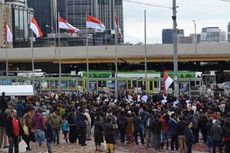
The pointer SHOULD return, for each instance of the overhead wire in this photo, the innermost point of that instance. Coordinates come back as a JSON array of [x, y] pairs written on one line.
[[147, 4]]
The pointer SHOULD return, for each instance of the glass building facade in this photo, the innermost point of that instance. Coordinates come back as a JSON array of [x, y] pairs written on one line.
[[20, 23]]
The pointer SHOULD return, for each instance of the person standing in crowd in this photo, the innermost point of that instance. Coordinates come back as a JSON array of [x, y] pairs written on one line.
[[129, 129], [49, 136], [14, 131], [148, 129], [137, 128], [194, 119], [217, 135], [56, 122], [181, 137], [3, 104], [227, 133], [209, 135], [189, 138], [122, 123], [88, 125], [27, 119], [81, 124], [38, 125], [173, 130], [3, 137], [109, 136], [65, 129], [98, 133], [72, 120], [156, 129], [164, 130], [202, 122]]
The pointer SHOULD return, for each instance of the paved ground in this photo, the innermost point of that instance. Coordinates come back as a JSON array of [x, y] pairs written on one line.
[[120, 148]]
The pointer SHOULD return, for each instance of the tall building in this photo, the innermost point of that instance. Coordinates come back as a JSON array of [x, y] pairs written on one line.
[[229, 32], [212, 34], [75, 12], [17, 15], [167, 35]]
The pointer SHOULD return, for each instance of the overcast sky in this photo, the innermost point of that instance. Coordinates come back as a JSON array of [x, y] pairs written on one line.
[[206, 13]]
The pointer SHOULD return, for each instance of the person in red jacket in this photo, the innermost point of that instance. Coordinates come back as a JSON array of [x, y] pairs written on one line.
[[14, 131]]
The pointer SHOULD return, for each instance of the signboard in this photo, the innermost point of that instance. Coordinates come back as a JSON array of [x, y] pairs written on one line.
[[17, 90]]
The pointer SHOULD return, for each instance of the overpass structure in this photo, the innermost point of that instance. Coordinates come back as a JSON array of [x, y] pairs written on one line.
[[207, 52]]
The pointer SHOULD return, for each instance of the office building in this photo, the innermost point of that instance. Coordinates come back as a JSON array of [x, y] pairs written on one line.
[[229, 32], [75, 12], [167, 35], [17, 15], [213, 34]]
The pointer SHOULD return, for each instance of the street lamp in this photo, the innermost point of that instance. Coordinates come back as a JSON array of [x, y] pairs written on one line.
[[195, 40]]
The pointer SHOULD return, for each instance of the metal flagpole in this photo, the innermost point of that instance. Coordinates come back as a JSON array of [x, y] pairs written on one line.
[[59, 56], [32, 51], [7, 69], [175, 56], [146, 70], [116, 41], [87, 55]]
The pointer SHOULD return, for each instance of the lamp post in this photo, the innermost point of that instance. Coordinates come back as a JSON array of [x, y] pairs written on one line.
[[195, 40], [175, 55]]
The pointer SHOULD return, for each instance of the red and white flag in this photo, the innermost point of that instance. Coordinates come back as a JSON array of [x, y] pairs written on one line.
[[117, 26], [63, 24], [8, 34], [36, 29], [167, 82], [94, 23]]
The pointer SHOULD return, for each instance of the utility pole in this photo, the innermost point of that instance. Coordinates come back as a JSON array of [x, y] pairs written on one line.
[[195, 40], [175, 56]]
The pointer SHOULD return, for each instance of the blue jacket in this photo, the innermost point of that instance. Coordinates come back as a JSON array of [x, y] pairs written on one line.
[[173, 127], [188, 135], [65, 126]]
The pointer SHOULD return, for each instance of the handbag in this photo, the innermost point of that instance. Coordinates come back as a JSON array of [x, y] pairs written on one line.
[[22, 146]]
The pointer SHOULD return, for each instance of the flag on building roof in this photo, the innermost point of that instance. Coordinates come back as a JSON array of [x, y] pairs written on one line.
[[117, 26], [63, 24], [167, 82], [8, 34], [35, 27], [94, 23]]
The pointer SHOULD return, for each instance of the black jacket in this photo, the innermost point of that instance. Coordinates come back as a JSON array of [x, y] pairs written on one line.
[[9, 127]]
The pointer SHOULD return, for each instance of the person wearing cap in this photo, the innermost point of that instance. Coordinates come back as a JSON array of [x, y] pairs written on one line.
[[14, 131]]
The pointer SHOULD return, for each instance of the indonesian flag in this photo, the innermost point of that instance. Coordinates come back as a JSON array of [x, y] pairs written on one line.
[[8, 34], [167, 82], [63, 24], [94, 23], [36, 29], [117, 26]]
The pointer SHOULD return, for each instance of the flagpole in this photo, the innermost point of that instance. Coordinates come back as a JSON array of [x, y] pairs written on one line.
[[87, 55], [146, 82], [6, 54], [116, 41], [32, 51], [59, 57]]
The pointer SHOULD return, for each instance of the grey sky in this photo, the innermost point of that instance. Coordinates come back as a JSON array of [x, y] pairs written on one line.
[[206, 13]]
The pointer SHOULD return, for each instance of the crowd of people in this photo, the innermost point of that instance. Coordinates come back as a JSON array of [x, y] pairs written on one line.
[[154, 121]]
